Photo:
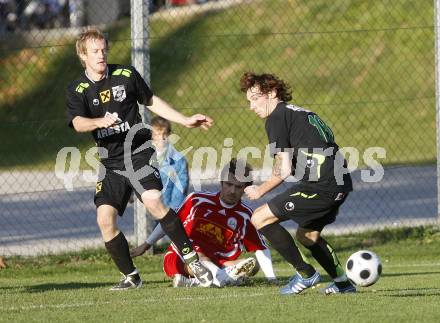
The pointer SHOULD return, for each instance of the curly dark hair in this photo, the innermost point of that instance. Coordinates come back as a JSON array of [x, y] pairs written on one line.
[[266, 83]]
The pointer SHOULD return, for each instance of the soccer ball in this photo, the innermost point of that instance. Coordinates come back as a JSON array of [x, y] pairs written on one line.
[[363, 268]]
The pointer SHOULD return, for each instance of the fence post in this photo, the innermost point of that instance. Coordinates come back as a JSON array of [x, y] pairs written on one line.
[[140, 58], [437, 96]]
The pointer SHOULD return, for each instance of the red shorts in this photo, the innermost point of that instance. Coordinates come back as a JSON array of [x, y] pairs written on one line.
[[173, 264]]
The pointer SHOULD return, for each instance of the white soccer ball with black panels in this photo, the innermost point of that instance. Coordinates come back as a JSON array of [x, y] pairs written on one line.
[[363, 268]]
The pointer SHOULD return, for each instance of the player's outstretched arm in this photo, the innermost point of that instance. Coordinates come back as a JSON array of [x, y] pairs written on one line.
[[155, 236], [83, 124], [163, 109], [281, 170], [140, 250]]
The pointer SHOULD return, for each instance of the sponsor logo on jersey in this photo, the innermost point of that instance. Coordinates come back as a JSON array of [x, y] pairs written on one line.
[[95, 102], [105, 96], [186, 250], [211, 231], [289, 206], [156, 173], [119, 93], [122, 127], [232, 223]]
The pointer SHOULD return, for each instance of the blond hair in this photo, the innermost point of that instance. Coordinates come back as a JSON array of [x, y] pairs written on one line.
[[90, 33], [161, 123]]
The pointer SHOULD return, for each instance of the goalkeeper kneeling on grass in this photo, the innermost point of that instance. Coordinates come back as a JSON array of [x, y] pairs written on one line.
[[219, 225]]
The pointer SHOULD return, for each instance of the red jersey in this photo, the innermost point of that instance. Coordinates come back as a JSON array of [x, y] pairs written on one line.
[[218, 230]]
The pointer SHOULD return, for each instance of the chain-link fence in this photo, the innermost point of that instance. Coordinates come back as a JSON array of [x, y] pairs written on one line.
[[366, 67]]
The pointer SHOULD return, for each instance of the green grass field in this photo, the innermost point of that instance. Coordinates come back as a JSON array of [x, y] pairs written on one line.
[[366, 68], [75, 287]]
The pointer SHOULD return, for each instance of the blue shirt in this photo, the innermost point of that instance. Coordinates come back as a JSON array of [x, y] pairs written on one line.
[[174, 176]]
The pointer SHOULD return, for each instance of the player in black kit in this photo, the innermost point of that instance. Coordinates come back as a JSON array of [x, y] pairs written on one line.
[[104, 100], [302, 144]]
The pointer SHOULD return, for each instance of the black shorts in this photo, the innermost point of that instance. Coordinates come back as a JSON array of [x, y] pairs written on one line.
[[310, 209], [115, 189]]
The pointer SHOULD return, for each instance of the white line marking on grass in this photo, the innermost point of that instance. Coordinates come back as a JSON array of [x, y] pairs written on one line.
[[435, 264], [43, 307], [140, 301], [385, 265]]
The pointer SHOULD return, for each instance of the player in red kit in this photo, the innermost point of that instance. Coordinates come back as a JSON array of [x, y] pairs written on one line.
[[219, 226]]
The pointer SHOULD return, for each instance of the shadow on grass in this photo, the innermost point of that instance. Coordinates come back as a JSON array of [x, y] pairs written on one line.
[[410, 274], [282, 280], [63, 286], [9, 287], [410, 292], [75, 285], [327, 278]]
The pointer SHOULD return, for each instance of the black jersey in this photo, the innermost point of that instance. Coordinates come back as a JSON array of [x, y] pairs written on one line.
[[120, 91], [311, 143]]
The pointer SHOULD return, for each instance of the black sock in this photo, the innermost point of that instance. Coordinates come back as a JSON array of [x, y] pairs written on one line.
[[326, 257], [283, 242], [174, 229], [343, 284], [120, 253]]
